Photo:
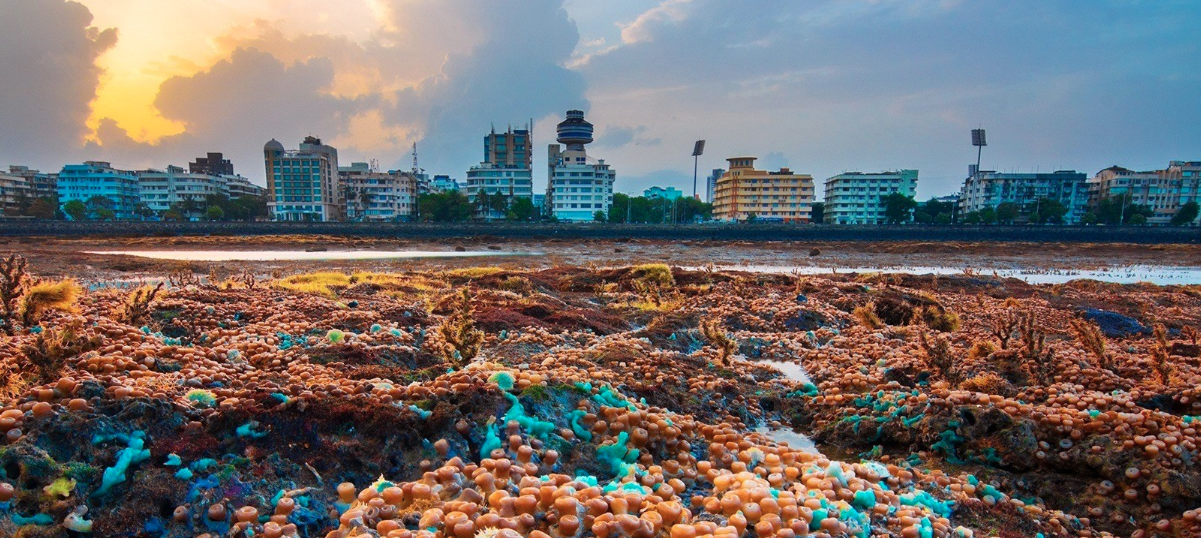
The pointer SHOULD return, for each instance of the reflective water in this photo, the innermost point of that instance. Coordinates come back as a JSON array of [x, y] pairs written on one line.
[[1126, 274], [300, 255], [791, 370], [786, 435]]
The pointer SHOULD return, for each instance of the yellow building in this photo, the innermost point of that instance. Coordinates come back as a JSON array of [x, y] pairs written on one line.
[[744, 192]]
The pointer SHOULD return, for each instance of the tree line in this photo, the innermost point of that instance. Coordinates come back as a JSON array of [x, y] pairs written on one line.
[[899, 208]]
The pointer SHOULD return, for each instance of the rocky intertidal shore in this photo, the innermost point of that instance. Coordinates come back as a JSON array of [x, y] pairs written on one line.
[[639, 402]]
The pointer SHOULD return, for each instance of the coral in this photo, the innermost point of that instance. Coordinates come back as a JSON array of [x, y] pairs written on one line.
[[1089, 336], [14, 281], [46, 297], [462, 341], [126, 457], [50, 349], [865, 314], [135, 310], [716, 335]]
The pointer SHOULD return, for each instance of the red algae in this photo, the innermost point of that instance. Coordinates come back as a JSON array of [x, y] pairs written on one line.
[[609, 403]]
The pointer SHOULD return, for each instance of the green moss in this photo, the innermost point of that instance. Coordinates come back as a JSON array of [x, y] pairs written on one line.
[[537, 393]]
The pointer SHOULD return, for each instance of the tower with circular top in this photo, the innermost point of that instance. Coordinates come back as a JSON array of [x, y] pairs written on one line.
[[574, 131]]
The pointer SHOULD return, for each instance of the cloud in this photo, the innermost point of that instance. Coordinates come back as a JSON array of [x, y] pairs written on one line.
[[615, 136], [48, 77], [235, 106], [642, 29], [876, 84], [517, 71], [438, 73]]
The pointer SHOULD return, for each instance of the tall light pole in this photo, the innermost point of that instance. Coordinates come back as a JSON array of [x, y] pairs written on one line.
[[978, 141], [697, 150]]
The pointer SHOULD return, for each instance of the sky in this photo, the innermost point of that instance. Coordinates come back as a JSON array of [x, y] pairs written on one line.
[[820, 86]]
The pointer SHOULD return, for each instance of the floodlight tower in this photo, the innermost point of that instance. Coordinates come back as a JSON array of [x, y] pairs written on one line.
[[697, 150], [978, 141]]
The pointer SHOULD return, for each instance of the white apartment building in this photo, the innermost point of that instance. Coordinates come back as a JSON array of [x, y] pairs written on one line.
[[857, 198], [576, 187]]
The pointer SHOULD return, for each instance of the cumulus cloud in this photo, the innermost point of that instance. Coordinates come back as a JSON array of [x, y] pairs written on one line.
[[235, 106], [616, 136], [48, 78], [437, 73], [516, 72], [876, 84]]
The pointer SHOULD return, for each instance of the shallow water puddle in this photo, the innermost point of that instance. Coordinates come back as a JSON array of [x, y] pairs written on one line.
[[790, 437], [297, 255], [1131, 274], [791, 370]]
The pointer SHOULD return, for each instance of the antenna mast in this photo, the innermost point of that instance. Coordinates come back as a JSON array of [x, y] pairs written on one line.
[[415, 169]]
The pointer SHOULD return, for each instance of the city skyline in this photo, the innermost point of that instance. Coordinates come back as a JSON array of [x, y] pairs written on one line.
[[822, 88]]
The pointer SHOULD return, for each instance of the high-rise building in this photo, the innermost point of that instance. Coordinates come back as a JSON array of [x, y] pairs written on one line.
[[1162, 191], [670, 193], [239, 187], [858, 198], [989, 189], [744, 193], [711, 183], [443, 183], [506, 171], [214, 164], [174, 188], [372, 195], [92, 180], [14, 190], [302, 185], [576, 189], [41, 184]]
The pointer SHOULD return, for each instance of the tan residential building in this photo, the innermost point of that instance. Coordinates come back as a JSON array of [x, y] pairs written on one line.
[[744, 193]]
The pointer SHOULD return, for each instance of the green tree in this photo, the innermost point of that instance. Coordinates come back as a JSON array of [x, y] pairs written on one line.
[[599, 216], [98, 203], [172, 215], [1138, 219], [76, 209], [1047, 211], [522, 209], [1007, 212], [42, 208], [1186, 214], [449, 206], [897, 208], [499, 203], [214, 213], [621, 203], [972, 217], [689, 209], [817, 213], [143, 211], [988, 215]]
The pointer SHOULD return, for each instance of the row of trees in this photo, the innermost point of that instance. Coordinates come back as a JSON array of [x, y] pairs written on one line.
[[454, 206], [640, 209], [213, 207], [899, 208]]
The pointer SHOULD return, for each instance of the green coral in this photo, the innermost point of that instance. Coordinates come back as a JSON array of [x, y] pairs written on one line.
[[504, 380], [201, 398], [535, 427], [61, 487]]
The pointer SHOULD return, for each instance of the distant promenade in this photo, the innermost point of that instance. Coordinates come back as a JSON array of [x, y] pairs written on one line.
[[681, 232]]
